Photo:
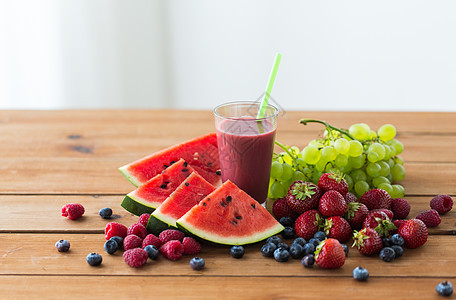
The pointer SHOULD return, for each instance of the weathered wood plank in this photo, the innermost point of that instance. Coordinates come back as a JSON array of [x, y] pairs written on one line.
[[36, 254]]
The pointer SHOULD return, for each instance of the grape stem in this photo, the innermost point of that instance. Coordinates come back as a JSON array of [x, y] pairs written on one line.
[[327, 125], [285, 148]]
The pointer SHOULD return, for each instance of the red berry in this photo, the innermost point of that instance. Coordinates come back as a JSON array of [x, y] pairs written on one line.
[[379, 221], [115, 229], [400, 208], [137, 229], [333, 181], [442, 204], [332, 203], [191, 246], [356, 213], [368, 241], [376, 198], [136, 257], [172, 250], [388, 212], [330, 254], [73, 211], [170, 234], [430, 218], [144, 219], [338, 228], [281, 209], [350, 197], [151, 239], [132, 241], [414, 232], [398, 224], [308, 224], [303, 196]]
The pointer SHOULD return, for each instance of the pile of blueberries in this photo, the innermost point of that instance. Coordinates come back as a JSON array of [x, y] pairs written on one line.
[[392, 248]]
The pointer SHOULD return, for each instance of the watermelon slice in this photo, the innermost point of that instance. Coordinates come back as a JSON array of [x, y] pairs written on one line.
[[201, 153], [189, 193], [230, 216], [151, 194]]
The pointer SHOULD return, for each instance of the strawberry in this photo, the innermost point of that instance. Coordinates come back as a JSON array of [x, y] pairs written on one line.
[[303, 196], [400, 208], [332, 203], [330, 254], [350, 197], [338, 228], [281, 209], [388, 212], [376, 198], [356, 213], [414, 232], [379, 221], [398, 224], [308, 224], [442, 204], [368, 241], [430, 218], [333, 181]]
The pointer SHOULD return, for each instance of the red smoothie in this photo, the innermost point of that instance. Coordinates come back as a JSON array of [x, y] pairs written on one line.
[[245, 154]]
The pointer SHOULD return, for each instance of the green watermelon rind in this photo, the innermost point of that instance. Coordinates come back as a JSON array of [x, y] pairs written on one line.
[[138, 206], [155, 225], [164, 218], [230, 241], [130, 177]]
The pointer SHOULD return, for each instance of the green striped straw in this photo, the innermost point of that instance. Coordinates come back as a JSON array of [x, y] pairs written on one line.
[[271, 80]]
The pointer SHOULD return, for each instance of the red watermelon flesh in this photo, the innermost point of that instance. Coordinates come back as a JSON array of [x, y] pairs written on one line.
[[230, 216], [189, 193], [151, 194], [201, 153]]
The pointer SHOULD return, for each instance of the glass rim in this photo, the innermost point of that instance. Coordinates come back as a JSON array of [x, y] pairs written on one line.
[[240, 102]]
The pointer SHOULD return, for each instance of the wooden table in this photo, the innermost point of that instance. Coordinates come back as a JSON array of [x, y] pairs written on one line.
[[50, 158]]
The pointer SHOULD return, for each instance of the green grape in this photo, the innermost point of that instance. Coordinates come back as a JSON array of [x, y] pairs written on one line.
[[398, 191], [311, 154], [356, 148], [276, 170], [389, 177], [346, 169], [379, 149], [359, 131], [361, 187], [380, 179], [328, 153], [387, 132], [316, 176], [342, 145], [307, 172], [398, 146], [300, 162], [357, 161], [398, 172], [295, 150], [358, 175], [372, 156], [399, 160], [349, 181], [391, 163], [387, 152], [392, 150], [341, 160], [365, 126], [373, 169], [277, 190], [287, 172], [321, 164], [372, 135], [385, 168], [298, 175], [387, 187], [286, 158]]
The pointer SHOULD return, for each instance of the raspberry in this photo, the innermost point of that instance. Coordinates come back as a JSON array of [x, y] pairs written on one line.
[[281, 209], [151, 239], [132, 241], [191, 246], [172, 250], [400, 208], [170, 234], [144, 219], [442, 204], [137, 229], [115, 229], [73, 211], [430, 218], [136, 257]]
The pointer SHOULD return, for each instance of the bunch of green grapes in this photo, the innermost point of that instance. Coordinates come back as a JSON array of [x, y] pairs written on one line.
[[368, 159]]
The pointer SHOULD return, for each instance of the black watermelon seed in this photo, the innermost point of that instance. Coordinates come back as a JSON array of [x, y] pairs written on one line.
[[163, 186], [238, 217], [218, 172], [209, 164], [172, 162], [185, 170], [222, 203], [187, 184], [185, 164], [165, 166], [234, 222], [204, 203], [208, 199], [228, 199], [253, 205]]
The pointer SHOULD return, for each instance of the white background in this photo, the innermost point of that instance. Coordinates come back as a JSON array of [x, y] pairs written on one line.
[[337, 55]]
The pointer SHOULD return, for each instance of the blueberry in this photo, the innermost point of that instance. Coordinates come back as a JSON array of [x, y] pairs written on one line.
[[94, 259], [268, 249], [197, 263], [274, 239], [105, 213], [296, 251], [386, 242], [360, 274], [309, 248], [286, 221], [308, 261], [281, 255], [111, 246], [444, 288], [398, 250], [119, 241], [314, 241], [152, 251], [237, 251], [300, 241], [320, 235], [288, 233], [62, 245], [397, 239], [387, 254], [284, 246], [345, 249]]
